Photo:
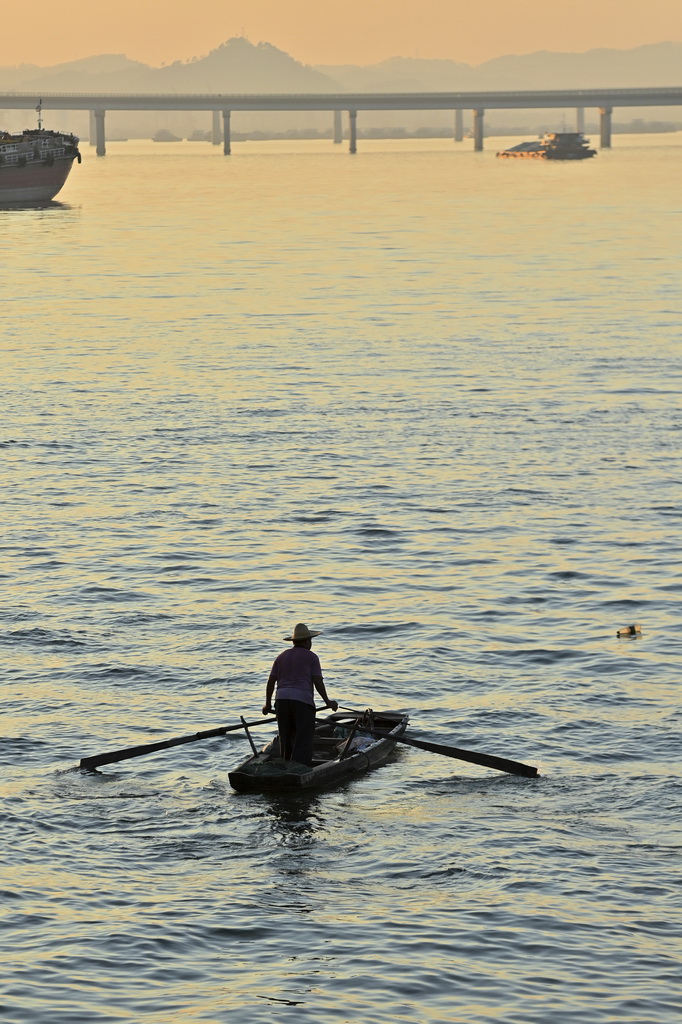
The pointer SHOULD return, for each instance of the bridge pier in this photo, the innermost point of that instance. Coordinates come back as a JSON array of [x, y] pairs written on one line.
[[478, 130], [227, 140], [338, 128], [100, 138], [216, 130], [353, 119], [580, 119], [459, 125], [605, 127]]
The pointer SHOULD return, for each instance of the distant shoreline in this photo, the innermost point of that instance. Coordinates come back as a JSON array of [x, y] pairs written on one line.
[[635, 127]]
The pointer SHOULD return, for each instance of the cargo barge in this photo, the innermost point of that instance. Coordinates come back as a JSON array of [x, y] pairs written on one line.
[[34, 164], [552, 146]]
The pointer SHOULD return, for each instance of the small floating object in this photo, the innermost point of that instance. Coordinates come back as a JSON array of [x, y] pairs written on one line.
[[630, 631]]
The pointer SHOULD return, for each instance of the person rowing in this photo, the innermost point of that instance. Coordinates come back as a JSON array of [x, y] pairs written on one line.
[[296, 673]]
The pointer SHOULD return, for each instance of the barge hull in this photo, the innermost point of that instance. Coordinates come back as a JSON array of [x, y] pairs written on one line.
[[36, 183]]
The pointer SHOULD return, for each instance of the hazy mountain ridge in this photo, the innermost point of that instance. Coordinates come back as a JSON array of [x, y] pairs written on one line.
[[86, 75], [649, 66], [402, 74], [653, 65], [238, 66]]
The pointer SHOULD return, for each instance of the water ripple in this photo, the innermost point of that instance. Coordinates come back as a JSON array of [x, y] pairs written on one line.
[[429, 430]]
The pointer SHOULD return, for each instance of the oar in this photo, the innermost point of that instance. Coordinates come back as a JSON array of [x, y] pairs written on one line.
[[96, 760], [502, 764]]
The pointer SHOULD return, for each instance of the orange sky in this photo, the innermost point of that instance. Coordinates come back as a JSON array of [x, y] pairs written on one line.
[[331, 31]]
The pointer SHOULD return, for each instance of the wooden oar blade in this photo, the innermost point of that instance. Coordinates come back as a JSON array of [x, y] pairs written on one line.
[[502, 764], [97, 760]]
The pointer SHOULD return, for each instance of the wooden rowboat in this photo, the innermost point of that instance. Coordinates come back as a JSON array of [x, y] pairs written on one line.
[[344, 746]]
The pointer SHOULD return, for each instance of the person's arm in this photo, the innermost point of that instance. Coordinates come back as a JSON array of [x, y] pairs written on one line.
[[269, 690], [318, 683]]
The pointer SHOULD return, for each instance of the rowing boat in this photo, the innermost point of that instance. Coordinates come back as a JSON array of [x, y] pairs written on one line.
[[345, 744]]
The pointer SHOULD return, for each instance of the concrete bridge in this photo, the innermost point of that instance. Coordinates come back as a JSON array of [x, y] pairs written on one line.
[[222, 106]]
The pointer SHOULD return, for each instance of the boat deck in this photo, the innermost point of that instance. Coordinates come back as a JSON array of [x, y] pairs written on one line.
[[345, 744]]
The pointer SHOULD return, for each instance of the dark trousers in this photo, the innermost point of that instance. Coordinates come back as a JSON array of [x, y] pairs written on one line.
[[296, 725]]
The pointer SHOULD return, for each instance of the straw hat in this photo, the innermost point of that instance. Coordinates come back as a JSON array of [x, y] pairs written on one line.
[[301, 632]]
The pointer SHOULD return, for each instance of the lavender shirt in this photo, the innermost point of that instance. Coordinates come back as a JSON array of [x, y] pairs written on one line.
[[294, 670]]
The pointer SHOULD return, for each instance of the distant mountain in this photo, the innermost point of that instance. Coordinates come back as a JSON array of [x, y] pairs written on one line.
[[239, 66], [645, 66], [96, 74], [659, 64], [402, 74], [236, 66]]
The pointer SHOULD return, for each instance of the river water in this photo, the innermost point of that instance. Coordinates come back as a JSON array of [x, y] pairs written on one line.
[[427, 402]]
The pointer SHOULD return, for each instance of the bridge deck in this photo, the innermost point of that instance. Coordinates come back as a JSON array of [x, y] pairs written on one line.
[[511, 99]]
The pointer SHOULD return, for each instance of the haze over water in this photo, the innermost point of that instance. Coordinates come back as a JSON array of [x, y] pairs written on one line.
[[427, 402]]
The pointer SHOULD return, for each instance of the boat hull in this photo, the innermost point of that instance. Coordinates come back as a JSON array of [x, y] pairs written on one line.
[[34, 183], [34, 164], [552, 146], [584, 154], [263, 773]]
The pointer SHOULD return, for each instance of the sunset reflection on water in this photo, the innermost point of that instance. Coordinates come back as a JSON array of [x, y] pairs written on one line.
[[425, 401]]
